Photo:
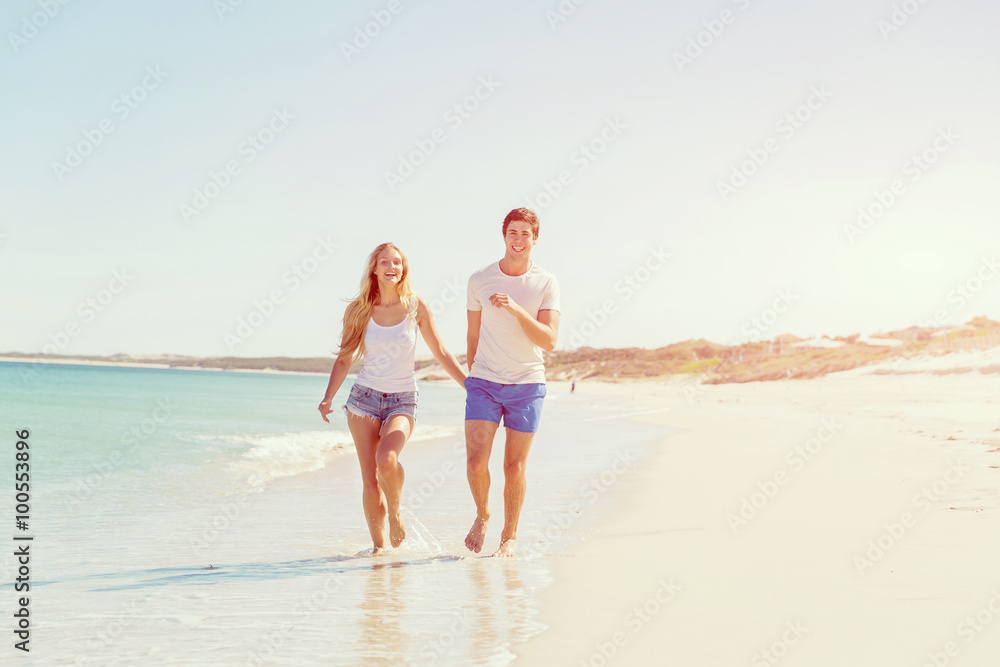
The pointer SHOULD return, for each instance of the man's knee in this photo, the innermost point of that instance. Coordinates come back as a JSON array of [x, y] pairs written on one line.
[[514, 468], [479, 433], [477, 460]]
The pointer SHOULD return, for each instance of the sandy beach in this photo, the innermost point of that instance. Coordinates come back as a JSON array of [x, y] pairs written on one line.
[[849, 519]]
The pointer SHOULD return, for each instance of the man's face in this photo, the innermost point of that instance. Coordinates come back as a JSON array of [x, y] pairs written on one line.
[[519, 240]]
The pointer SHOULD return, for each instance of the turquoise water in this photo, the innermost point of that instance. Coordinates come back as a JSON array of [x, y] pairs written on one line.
[[186, 517]]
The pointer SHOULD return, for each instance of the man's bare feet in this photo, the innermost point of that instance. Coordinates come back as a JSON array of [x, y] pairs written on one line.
[[397, 531], [378, 551], [477, 535], [506, 549]]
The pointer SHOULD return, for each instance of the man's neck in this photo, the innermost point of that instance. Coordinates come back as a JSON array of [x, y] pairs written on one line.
[[512, 267]]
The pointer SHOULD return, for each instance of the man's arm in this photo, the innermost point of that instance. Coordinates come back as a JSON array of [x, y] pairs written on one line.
[[472, 337], [542, 330], [548, 320]]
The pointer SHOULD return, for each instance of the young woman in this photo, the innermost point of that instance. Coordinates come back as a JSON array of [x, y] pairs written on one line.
[[380, 326]]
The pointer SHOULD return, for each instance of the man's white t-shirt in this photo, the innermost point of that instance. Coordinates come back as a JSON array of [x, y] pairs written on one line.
[[505, 353]]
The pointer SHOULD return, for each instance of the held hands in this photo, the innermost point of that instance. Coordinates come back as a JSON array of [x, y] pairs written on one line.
[[326, 408]]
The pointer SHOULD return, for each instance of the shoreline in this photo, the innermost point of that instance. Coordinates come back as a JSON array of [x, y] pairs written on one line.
[[159, 366], [949, 361], [726, 540]]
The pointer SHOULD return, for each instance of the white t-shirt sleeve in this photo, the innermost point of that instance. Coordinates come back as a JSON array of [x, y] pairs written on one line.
[[472, 295], [550, 299]]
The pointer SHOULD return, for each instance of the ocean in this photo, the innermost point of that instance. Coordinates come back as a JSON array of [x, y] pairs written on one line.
[[196, 517]]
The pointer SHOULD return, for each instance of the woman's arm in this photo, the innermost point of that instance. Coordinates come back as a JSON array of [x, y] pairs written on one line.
[[340, 369], [448, 361]]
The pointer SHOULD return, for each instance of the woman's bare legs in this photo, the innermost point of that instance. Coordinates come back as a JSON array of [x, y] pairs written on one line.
[[365, 432], [395, 433]]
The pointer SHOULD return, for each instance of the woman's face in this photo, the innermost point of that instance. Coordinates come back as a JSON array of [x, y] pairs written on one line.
[[389, 266]]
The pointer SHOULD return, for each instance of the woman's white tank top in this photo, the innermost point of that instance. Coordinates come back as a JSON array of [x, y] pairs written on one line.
[[389, 351]]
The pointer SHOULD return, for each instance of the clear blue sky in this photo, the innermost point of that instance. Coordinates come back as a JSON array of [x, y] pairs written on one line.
[[668, 131]]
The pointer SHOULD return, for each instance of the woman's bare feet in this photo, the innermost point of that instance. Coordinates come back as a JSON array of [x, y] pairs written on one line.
[[477, 535], [397, 531], [371, 551]]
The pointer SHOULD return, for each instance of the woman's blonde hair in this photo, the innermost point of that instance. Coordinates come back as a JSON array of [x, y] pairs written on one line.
[[359, 311]]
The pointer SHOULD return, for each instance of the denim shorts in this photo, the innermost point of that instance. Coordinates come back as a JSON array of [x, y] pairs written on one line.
[[366, 402], [520, 405]]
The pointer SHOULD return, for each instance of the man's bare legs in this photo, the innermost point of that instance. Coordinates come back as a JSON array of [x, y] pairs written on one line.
[[515, 457], [478, 445], [366, 440], [395, 433]]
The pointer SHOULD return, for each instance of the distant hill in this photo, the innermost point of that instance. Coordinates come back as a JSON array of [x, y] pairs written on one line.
[[784, 357]]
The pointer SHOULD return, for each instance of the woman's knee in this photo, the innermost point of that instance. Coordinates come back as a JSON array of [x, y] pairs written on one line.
[[370, 484], [386, 459]]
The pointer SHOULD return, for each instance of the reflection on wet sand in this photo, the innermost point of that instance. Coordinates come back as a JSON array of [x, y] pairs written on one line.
[[521, 609], [382, 606], [484, 608]]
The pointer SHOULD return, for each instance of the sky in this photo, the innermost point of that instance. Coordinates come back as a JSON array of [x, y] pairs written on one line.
[[207, 177]]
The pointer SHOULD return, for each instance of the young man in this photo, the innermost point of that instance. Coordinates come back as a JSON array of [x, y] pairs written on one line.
[[513, 313]]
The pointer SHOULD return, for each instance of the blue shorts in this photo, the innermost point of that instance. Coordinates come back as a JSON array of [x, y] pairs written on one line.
[[520, 405], [366, 402]]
